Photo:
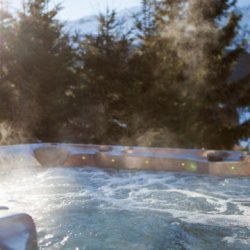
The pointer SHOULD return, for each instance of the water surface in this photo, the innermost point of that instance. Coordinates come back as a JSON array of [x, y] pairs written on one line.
[[88, 208]]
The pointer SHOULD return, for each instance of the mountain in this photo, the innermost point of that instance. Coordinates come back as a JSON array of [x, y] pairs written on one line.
[[245, 11], [89, 24]]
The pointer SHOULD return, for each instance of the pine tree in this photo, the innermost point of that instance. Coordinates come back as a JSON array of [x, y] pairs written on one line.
[[156, 78], [106, 81], [208, 113], [145, 20], [7, 92], [44, 70]]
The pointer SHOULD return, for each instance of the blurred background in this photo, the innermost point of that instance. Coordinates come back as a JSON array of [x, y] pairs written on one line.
[[141, 72]]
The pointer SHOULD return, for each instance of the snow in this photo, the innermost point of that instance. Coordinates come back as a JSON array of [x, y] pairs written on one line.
[[89, 24]]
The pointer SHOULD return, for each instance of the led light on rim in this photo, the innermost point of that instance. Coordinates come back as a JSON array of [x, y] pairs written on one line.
[[192, 166]]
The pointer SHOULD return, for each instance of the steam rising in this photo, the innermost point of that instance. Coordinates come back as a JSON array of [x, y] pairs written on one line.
[[193, 35], [17, 157], [11, 135]]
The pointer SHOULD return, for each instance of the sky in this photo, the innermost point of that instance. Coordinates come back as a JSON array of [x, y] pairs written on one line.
[[75, 9]]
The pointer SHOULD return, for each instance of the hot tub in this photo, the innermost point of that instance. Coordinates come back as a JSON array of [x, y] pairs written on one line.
[[112, 208]]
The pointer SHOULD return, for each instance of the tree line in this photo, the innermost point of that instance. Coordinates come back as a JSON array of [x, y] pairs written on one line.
[[164, 82]]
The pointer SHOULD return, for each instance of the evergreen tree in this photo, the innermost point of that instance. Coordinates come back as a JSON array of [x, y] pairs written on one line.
[[156, 78], [208, 112], [145, 20], [167, 84], [106, 81], [44, 70], [7, 92]]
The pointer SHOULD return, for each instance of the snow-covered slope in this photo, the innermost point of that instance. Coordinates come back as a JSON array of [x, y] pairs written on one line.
[[245, 22], [244, 25], [89, 24]]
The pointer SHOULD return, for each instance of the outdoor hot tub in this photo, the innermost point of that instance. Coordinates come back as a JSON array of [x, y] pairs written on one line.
[[178, 199]]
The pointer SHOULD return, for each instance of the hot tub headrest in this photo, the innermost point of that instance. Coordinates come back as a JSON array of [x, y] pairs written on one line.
[[51, 155]]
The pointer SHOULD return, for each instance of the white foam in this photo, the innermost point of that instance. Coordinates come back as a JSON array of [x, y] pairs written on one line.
[[213, 201], [236, 239]]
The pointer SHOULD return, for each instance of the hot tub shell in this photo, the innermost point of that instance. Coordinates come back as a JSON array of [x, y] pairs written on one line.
[[232, 163], [17, 230]]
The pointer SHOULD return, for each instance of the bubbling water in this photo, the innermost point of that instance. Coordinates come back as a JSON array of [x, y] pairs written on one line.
[[88, 208]]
